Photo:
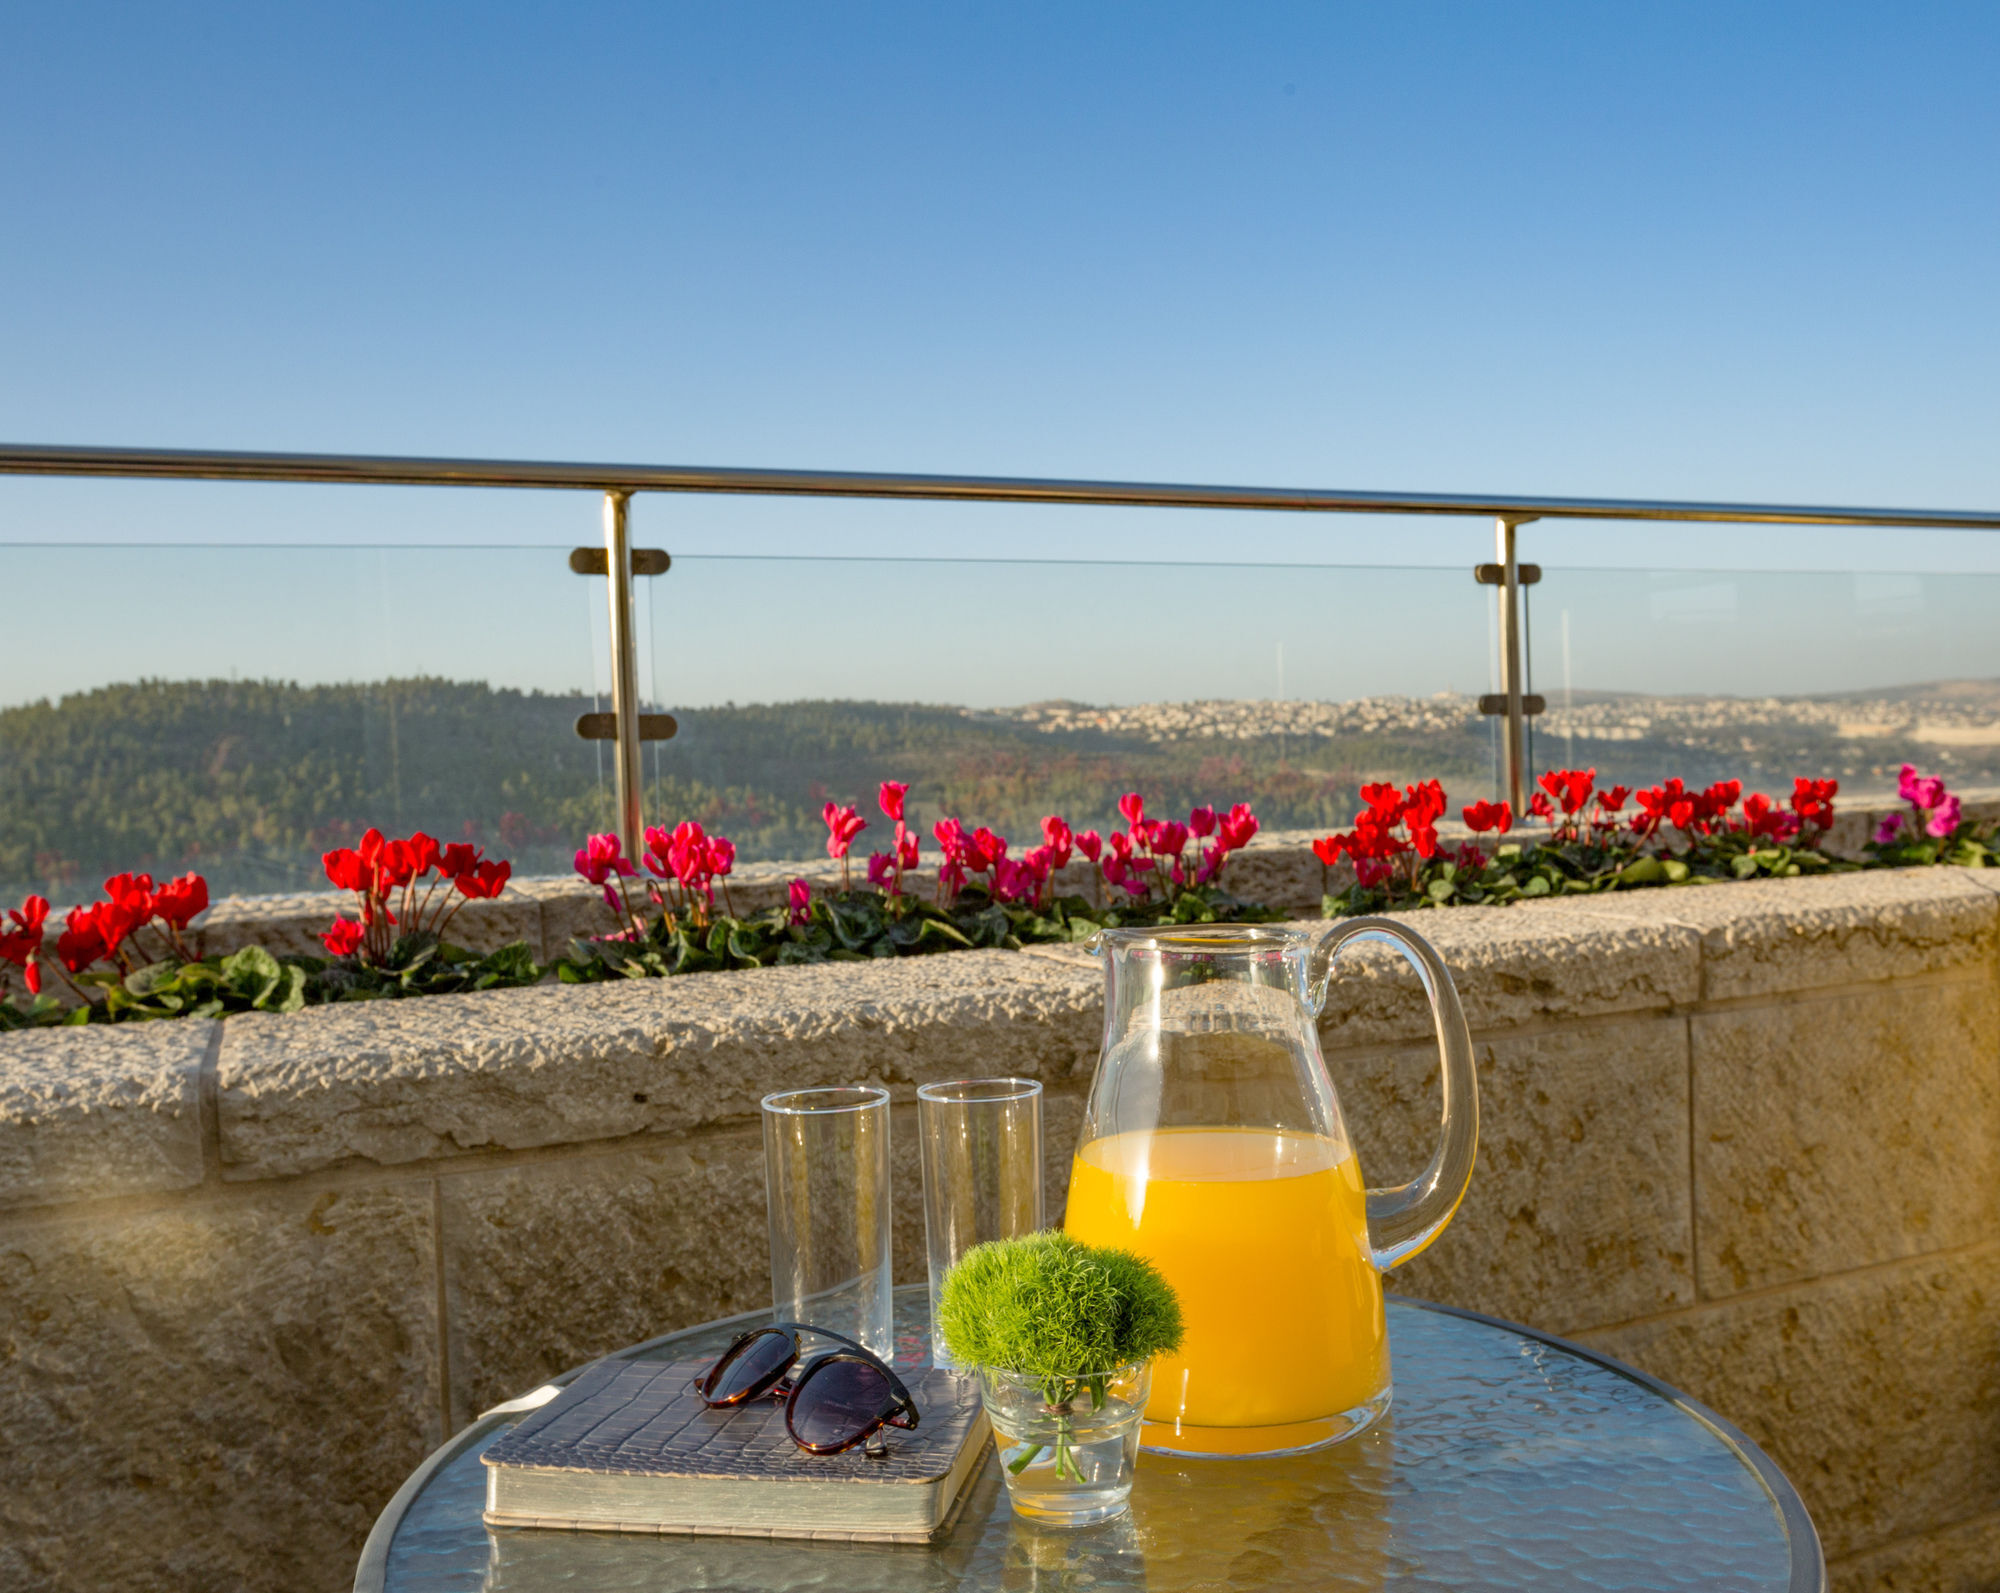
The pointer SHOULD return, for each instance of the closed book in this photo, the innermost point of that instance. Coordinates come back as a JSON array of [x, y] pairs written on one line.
[[629, 1447]]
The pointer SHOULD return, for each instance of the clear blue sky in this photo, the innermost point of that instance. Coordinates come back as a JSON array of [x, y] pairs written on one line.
[[1688, 251]]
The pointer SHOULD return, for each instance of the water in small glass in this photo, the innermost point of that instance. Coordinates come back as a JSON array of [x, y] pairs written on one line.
[[1068, 1446]]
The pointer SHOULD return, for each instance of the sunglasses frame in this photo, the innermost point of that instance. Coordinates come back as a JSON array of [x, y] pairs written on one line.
[[899, 1409]]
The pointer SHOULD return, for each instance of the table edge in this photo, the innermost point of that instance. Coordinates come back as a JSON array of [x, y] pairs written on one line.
[[1808, 1572]]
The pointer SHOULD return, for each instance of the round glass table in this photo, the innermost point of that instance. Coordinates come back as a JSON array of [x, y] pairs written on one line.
[[1508, 1460]]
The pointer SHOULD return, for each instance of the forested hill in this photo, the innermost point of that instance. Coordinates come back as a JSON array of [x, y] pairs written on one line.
[[250, 781]]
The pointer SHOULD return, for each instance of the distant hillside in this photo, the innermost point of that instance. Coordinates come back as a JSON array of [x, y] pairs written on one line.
[[250, 781]]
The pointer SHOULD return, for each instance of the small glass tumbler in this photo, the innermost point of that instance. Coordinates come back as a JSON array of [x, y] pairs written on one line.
[[981, 1145], [826, 1190], [1068, 1445]]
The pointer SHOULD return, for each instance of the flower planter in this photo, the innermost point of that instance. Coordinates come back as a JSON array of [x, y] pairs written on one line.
[[251, 1270]]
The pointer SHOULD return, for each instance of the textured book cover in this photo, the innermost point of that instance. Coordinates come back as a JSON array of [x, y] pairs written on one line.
[[628, 1447]]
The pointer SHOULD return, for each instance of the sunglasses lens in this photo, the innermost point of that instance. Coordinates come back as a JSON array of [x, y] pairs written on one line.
[[755, 1366], [839, 1402]]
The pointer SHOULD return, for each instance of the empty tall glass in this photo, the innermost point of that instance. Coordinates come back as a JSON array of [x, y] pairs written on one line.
[[826, 1189], [981, 1142]]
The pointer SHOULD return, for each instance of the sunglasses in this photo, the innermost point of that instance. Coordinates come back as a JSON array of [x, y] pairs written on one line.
[[842, 1397]]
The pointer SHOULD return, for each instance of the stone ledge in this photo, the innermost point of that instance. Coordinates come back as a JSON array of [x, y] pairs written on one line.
[[99, 1111], [396, 1082], [392, 1082], [1759, 937]]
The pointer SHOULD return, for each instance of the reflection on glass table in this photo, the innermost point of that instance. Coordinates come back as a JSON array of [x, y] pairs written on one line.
[[1509, 1460]]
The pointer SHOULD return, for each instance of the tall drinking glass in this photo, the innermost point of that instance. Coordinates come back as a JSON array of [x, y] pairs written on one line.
[[981, 1141], [826, 1189]]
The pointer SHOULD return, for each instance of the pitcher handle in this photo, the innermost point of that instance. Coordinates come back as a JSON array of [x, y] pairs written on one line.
[[1403, 1220]]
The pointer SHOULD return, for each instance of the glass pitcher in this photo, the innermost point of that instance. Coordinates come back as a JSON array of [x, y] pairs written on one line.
[[1212, 1145]]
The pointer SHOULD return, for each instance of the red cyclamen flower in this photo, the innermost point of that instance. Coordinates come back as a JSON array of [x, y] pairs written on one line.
[[1237, 827], [343, 937], [891, 798], [1570, 787], [1483, 816], [483, 881]]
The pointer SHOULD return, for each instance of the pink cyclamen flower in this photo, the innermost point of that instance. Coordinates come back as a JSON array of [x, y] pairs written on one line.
[[891, 798], [601, 857], [1164, 839], [1944, 817], [842, 825], [1090, 844], [800, 894], [1057, 839], [1202, 822], [1906, 783], [721, 854], [906, 847], [1133, 807], [951, 837], [1929, 792], [1887, 830], [881, 872]]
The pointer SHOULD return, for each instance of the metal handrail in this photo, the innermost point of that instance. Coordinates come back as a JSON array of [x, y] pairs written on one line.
[[619, 482], [391, 470]]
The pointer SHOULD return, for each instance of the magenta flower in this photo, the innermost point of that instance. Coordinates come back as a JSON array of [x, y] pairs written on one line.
[[1906, 783], [1201, 823], [891, 798], [1133, 807], [882, 872], [906, 847], [1090, 844], [1928, 792], [800, 894], [1165, 839], [1944, 817], [1890, 826], [842, 825], [601, 857]]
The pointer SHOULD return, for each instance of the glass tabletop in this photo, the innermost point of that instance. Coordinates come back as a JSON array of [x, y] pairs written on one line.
[[1508, 1460]]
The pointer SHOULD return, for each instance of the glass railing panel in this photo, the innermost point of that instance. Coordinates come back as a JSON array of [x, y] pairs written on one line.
[[1005, 690], [1763, 675], [240, 710]]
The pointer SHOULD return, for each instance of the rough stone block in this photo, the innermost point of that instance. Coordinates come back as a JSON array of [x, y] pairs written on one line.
[[1579, 1208], [103, 1110], [1535, 963], [1877, 1393], [1840, 1131], [398, 1081], [1961, 1558], [551, 1263], [220, 1395], [1765, 937]]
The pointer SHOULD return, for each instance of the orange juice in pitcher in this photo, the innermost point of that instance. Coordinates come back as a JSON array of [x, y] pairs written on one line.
[[1213, 1146]]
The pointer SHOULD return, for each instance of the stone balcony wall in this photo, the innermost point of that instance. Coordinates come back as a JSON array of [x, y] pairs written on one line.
[[250, 1272]]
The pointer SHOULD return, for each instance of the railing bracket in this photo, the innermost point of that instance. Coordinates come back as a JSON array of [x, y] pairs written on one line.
[[645, 561], [652, 727]]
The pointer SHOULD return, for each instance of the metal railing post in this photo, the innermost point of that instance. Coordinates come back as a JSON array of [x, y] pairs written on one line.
[[624, 670], [1513, 733]]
